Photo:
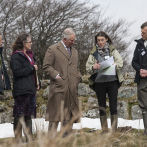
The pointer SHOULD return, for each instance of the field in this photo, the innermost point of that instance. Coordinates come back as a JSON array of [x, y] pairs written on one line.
[[124, 137]]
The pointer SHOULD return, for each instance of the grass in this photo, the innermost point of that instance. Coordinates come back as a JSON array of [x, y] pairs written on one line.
[[124, 137]]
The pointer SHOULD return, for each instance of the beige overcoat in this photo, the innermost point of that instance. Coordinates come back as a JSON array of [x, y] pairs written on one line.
[[63, 95]]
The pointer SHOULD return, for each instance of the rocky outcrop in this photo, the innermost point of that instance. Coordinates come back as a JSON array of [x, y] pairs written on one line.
[[127, 101]]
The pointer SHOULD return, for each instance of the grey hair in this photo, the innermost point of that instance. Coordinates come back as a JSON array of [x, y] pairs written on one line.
[[68, 32]]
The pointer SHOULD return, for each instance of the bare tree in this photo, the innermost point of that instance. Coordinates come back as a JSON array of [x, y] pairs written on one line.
[[45, 20]]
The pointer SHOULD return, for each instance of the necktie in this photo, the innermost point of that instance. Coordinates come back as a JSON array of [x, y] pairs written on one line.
[[69, 51]]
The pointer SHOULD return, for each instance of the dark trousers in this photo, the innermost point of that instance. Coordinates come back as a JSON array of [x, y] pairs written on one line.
[[142, 100], [24, 105], [110, 88], [142, 94]]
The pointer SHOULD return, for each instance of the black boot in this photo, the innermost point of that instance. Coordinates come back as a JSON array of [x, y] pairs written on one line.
[[144, 114], [104, 125], [114, 120], [17, 127]]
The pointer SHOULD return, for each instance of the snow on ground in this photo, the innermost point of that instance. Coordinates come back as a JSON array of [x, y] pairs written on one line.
[[39, 124]]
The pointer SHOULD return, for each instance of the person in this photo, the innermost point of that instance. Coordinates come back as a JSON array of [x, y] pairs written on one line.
[[104, 64], [1, 74], [4, 78], [24, 69], [61, 66], [139, 63]]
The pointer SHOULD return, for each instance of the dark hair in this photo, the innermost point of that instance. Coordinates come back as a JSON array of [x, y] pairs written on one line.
[[103, 34], [144, 25], [19, 42]]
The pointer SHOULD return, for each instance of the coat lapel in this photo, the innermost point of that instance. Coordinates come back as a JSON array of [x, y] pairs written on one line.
[[72, 54], [63, 50]]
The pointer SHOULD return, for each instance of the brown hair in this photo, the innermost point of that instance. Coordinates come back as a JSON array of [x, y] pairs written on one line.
[[19, 42], [103, 34], [144, 25]]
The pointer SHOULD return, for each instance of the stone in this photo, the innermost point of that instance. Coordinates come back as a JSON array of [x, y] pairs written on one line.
[[11, 103], [6, 117], [84, 90], [136, 112], [93, 113], [46, 93], [8, 95], [122, 108], [128, 82], [92, 102], [45, 83], [42, 110], [2, 108], [129, 75], [127, 92], [88, 101]]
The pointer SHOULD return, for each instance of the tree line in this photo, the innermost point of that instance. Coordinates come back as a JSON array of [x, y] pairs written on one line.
[[45, 20]]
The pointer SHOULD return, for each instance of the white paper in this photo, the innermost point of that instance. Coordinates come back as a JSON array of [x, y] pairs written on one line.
[[109, 71], [107, 63]]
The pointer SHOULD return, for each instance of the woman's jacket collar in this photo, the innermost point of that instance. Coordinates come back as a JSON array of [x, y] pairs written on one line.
[[111, 47]]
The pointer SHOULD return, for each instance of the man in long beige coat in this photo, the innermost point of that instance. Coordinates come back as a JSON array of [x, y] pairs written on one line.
[[61, 66]]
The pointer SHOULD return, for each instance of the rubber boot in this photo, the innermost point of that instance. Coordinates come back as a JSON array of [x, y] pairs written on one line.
[[52, 129], [28, 133], [67, 127], [104, 125], [114, 121], [17, 127], [144, 114]]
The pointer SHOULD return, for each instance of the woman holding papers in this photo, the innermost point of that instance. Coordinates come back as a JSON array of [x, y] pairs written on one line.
[[105, 64]]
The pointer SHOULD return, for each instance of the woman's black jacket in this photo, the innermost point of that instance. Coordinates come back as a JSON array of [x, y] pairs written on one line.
[[23, 75]]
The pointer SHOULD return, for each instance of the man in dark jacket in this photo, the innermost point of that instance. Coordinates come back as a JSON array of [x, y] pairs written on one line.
[[139, 63], [1, 76]]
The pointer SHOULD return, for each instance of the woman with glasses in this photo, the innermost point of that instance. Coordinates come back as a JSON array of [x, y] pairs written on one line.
[[24, 85]]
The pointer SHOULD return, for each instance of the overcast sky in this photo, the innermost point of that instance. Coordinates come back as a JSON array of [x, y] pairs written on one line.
[[131, 10]]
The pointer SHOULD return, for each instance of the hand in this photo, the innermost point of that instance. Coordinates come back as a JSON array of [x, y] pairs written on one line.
[[58, 77], [143, 73], [38, 87], [96, 66], [36, 67], [2, 77]]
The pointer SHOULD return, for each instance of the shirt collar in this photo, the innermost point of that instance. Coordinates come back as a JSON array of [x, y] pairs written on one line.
[[145, 43], [64, 45]]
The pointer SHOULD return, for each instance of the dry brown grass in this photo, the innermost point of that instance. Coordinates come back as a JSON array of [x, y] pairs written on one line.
[[84, 138]]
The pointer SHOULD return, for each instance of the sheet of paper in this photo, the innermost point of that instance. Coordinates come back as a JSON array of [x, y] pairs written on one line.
[[109, 71], [107, 63]]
